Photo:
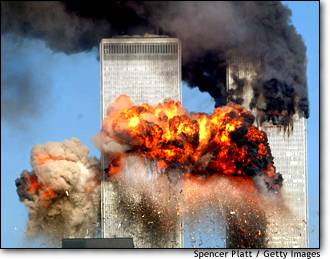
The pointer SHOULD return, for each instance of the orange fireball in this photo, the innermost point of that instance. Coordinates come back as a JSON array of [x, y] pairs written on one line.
[[224, 142]]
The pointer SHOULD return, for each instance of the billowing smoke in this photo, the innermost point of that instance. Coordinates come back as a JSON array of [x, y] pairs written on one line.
[[49, 21], [62, 191], [212, 34]]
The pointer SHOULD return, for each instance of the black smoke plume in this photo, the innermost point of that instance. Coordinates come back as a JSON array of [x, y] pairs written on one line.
[[212, 33]]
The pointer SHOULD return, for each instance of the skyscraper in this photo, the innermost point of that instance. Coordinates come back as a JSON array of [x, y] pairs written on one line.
[[286, 229], [148, 69]]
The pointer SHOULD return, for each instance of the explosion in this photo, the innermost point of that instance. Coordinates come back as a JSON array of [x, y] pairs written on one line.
[[225, 142], [162, 163], [219, 164], [62, 190]]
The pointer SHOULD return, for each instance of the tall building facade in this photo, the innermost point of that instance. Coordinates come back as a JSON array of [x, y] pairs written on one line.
[[287, 226], [148, 69]]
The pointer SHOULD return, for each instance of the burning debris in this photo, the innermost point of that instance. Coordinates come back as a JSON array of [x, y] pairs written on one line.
[[62, 190], [225, 142], [212, 33]]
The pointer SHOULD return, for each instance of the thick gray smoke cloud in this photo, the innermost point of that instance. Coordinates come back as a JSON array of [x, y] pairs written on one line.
[[61, 192], [212, 33]]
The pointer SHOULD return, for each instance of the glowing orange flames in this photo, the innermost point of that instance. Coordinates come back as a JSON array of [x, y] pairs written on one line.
[[115, 165], [43, 158], [46, 193], [33, 187], [224, 142], [33, 184]]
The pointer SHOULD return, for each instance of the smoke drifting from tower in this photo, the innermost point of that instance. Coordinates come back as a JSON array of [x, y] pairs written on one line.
[[211, 34]]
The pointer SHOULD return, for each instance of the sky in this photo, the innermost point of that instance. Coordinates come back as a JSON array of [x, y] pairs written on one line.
[[68, 106]]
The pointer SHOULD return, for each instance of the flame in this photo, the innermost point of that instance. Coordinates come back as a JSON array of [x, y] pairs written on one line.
[[33, 184], [133, 122], [115, 164], [224, 142], [46, 193], [35, 187], [44, 158]]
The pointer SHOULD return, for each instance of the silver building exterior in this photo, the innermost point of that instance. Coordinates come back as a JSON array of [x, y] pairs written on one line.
[[287, 228], [148, 69]]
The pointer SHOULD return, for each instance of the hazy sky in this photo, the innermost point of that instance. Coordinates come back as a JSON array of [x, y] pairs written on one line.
[[68, 106]]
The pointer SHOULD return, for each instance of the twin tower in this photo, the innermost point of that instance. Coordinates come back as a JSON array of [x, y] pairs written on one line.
[[148, 69]]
